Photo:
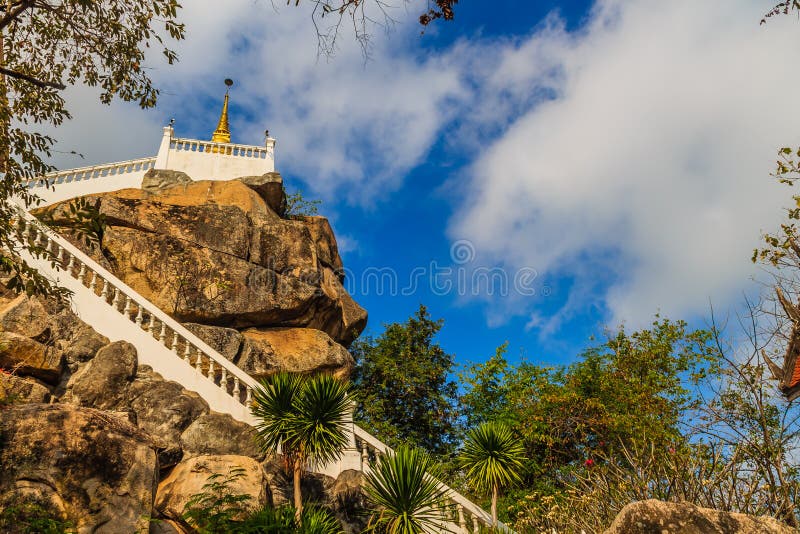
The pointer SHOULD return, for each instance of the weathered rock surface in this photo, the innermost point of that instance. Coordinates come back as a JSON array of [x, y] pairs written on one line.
[[167, 526], [269, 186], [348, 500], [226, 341], [158, 179], [101, 470], [327, 248], [22, 390], [164, 410], [298, 350], [219, 434], [78, 341], [25, 316], [103, 382], [27, 357], [653, 516], [218, 254], [113, 381], [188, 478]]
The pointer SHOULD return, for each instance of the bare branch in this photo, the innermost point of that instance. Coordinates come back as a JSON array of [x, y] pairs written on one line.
[[30, 79]]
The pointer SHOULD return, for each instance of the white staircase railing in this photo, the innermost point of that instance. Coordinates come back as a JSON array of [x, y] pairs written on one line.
[[169, 348]]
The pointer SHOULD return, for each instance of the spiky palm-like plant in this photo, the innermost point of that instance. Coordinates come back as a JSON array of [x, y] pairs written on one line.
[[305, 417], [408, 498], [493, 458]]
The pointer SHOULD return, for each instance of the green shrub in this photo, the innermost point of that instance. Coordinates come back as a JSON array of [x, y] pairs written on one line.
[[32, 515]]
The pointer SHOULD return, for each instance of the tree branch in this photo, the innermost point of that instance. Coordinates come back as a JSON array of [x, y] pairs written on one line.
[[15, 12], [30, 79]]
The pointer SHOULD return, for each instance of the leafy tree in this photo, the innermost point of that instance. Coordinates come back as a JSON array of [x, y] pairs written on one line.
[[631, 385], [486, 395], [493, 458], [404, 391], [408, 498], [781, 8], [303, 417], [361, 15], [46, 45]]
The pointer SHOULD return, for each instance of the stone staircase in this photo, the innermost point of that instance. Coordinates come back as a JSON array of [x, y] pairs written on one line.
[[118, 312]]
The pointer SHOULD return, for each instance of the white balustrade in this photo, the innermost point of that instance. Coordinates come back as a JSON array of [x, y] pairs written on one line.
[[219, 149]]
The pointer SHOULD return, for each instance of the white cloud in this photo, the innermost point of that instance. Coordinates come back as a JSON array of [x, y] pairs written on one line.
[[630, 156], [343, 126], [655, 151]]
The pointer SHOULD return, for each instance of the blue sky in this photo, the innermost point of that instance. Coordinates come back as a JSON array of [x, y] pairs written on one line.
[[608, 160]]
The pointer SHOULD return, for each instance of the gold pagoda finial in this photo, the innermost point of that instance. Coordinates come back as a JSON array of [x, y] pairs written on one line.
[[223, 132]]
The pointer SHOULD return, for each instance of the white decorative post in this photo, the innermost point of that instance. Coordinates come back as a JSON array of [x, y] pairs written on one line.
[[162, 159], [351, 457]]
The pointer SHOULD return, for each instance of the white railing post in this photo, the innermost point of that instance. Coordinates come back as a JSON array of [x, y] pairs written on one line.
[[162, 159]]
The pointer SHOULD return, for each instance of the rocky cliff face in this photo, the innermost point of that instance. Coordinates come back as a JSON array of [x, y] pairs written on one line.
[[108, 445], [264, 290]]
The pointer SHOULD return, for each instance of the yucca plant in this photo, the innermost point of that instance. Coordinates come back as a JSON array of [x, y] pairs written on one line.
[[493, 458], [407, 497], [303, 417]]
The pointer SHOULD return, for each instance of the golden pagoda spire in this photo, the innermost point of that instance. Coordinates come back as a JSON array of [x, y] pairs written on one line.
[[223, 132]]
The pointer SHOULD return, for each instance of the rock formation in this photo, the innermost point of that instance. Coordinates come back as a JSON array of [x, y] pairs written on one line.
[[108, 445], [97, 470], [264, 290], [653, 516]]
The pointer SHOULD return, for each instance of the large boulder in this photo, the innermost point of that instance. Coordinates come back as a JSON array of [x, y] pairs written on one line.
[[26, 316], [653, 516], [349, 502], [313, 486], [325, 241], [21, 390], [100, 470], [158, 179], [269, 186], [244, 475], [226, 341], [215, 433], [77, 341], [103, 382], [217, 253], [27, 357], [164, 410], [297, 350]]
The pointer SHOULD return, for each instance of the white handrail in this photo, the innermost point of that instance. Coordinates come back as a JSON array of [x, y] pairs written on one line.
[[125, 296]]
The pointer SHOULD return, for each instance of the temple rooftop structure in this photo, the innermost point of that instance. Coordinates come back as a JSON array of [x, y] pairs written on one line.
[[217, 159]]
